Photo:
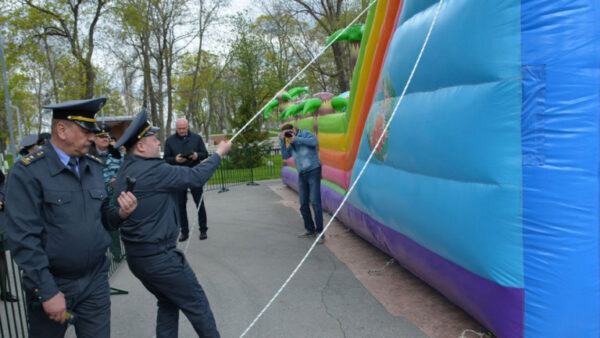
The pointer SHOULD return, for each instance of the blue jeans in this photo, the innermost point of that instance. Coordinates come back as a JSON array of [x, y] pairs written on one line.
[[309, 184]]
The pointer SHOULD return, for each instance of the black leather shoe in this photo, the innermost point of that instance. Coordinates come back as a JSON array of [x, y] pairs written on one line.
[[203, 235], [306, 235], [8, 297], [183, 237]]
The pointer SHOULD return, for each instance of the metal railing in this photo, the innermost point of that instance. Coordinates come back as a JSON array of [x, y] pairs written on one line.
[[13, 315], [246, 167]]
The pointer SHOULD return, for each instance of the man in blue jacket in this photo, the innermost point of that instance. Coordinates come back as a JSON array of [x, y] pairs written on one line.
[[303, 147]]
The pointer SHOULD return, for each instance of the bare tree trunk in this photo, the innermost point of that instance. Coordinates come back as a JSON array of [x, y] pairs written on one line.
[[70, 30], [169, 69], [90, 79], [51, 69], [206, 16], [160, 99], [342, 78], [39, 105]]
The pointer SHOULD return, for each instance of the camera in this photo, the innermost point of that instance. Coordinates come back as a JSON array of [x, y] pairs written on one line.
[[288, 133]]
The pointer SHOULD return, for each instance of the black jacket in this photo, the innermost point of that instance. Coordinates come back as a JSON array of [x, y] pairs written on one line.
[[176, 144]]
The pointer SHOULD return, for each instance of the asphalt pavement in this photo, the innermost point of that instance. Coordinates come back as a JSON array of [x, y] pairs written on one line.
[[251, 250]]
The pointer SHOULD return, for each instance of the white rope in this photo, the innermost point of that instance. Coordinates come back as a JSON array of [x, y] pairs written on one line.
[[357, 178], [479, 334], [302, 71]]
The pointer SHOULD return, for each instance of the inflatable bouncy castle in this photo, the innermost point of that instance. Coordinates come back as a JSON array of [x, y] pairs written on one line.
[[486, 184]]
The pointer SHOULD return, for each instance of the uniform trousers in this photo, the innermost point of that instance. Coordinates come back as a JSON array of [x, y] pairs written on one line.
[[87, 297], [172, 281]]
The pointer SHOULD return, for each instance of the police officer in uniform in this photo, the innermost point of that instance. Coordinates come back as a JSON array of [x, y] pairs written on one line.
[[101, 148], [57, 213], [28, 145], [150, 234]]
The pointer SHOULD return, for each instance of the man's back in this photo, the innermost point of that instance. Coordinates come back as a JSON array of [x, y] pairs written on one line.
[[156, 218]]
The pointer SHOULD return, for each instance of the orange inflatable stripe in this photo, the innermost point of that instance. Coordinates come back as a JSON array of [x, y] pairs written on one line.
[[335, 156], [334, 159], [388, 27], [365, 71]]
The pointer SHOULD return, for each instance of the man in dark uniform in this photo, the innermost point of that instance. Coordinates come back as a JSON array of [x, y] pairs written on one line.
[[100, 147], [28, 145], [43, 138], [150, 234], [186, 148], [56, 214]]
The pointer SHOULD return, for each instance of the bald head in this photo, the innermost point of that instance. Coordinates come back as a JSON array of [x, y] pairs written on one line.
[[181, 126]]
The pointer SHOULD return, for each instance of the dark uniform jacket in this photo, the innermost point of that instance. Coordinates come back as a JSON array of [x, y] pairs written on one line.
[[56, 221], [192, 142], [102, 156], [153, 227]]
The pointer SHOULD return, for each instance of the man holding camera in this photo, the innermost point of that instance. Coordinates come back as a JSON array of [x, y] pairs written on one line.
[[187, 149], [302, 145]]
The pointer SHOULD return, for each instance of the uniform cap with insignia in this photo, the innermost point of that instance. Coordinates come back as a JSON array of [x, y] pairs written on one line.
[[139, 127], [28, 141], [104, 129], [81, 112], [42, 138]]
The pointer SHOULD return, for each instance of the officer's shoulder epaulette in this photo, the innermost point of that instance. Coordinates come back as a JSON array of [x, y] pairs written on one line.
[[36, 155], [97, 159]]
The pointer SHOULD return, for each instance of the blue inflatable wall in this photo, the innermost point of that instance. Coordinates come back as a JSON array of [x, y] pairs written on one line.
[[487, 183]]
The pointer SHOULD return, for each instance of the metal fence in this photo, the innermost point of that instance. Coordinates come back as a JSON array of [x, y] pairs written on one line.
[[13, 315], [243, 167], [246, 168]]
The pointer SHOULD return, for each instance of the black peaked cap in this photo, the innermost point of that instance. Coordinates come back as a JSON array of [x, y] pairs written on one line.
[[81, 112], [138, 128]]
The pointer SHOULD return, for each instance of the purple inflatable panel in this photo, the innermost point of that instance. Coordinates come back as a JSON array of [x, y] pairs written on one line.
[[491, 304]]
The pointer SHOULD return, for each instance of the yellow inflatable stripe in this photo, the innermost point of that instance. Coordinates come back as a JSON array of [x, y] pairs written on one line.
[[332, 142], [365, 71]]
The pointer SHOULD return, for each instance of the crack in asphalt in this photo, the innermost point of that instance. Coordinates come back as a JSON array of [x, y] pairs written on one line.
[[323, 298]]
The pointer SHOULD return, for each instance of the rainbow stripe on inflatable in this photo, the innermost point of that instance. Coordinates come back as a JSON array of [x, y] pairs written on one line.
[[487, 183]]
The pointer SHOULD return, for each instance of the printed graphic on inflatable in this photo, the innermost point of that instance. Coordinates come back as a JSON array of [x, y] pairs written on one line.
[[379, 117]]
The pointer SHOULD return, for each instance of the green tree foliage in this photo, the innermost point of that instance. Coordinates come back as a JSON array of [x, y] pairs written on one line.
[[248, 65], [203, 116], [155, 52]]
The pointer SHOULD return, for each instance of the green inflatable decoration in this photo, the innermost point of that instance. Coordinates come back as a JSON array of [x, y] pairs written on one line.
[[285, 113], [297, 109], [352, 34], [270, 107], [339, 103], [286, 97], [294, 92], [311, 105]]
